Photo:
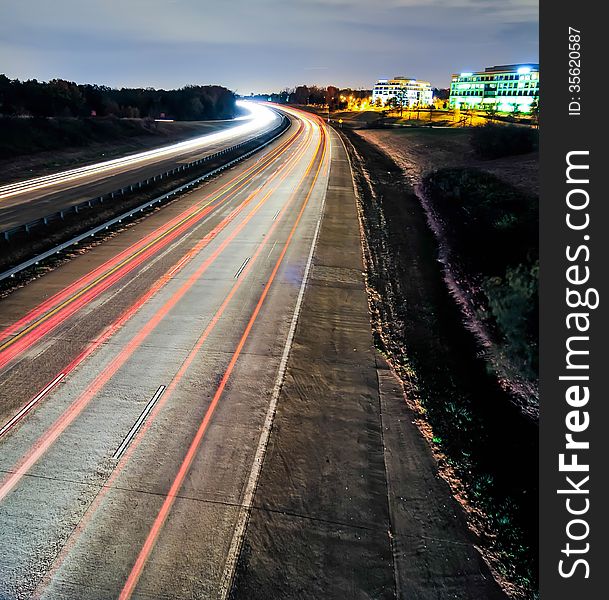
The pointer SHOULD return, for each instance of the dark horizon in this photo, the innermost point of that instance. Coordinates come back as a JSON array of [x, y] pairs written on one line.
[[267, 46]]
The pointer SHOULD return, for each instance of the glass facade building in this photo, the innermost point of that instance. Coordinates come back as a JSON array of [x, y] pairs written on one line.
[[505, 87]]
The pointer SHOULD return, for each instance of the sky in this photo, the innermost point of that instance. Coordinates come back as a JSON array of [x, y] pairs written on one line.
[[262, 45]]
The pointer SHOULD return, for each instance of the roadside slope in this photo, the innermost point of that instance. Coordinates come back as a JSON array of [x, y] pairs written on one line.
[[349, 503]]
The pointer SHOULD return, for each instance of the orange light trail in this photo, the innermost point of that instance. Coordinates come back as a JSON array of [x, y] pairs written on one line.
[[54, 311], [142, 558], [51, 435]]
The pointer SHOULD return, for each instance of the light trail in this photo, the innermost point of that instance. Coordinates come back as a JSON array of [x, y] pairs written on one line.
[[32, 327], [174, 491], [70, 414], [260, 118], [134, 308]]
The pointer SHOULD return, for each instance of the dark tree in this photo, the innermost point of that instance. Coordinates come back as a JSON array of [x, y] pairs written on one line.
[[60, 98]]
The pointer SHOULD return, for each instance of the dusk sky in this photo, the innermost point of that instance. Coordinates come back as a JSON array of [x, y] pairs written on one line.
[[261, 45]]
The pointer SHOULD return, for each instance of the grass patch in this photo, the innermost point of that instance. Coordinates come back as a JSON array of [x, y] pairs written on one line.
[[494, 141], [493, 233], [19, 137]]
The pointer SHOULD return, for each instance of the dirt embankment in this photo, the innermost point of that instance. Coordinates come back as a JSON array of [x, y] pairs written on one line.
[[486, 447], [419, 152]]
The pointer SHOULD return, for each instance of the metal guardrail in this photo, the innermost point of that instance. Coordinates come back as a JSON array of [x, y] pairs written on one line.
[[121, 192], [158, 200]]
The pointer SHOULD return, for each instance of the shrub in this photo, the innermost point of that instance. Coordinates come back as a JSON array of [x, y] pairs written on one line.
[[512, 301], [490, 224], [492, 230], [494, 141]]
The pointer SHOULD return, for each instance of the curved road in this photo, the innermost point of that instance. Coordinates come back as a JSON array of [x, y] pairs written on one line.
[[136, 383], [31, 199]]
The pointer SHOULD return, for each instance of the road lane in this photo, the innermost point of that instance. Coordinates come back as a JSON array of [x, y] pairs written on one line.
[[31, 199], [215, 332], [217, 209]]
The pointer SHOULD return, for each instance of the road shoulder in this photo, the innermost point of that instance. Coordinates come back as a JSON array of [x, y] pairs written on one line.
[[349, 503]]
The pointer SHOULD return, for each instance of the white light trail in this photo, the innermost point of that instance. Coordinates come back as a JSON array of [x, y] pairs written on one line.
[[259, 117]]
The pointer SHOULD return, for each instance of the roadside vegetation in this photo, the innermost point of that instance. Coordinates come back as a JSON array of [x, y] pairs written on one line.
[[60, 98], [24, 136], [492, 232], [484, 444]]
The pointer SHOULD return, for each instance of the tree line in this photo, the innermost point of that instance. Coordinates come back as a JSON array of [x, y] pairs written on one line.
[[334, 97], [61, 98], [313, 95]]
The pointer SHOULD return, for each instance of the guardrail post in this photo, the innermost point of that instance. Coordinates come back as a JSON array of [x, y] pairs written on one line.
[[6, 235]]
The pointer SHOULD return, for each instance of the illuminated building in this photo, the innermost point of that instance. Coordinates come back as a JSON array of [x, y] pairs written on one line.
[[506, 88], [407, 91]]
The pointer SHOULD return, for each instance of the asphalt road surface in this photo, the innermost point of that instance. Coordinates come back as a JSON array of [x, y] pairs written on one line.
[[136, 381], [28, 200], [194, 409]]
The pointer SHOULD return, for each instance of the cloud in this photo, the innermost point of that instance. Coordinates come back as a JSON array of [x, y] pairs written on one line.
[[272, 42]]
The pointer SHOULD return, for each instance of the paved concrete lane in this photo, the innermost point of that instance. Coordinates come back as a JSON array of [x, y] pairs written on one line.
[[349, 503], [73, 519], [320, 525]]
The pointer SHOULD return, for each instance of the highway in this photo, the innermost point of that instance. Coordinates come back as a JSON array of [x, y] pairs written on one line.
[[31, 199], [138, 379]]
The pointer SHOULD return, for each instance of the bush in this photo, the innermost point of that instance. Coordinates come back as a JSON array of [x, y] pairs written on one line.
[[512, 301], [494, 141], [490, 224], [492, 230]]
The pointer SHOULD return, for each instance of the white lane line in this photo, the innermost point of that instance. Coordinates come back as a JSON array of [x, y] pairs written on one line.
[[271, 250], [252, 482], [275, 215], [31, 404], [178, 266], [242, 267], [139, 422]]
